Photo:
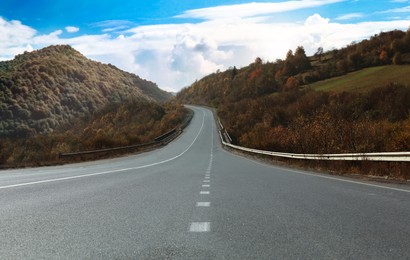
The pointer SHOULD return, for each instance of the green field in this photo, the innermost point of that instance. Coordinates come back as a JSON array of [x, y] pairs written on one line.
[[366, 79]]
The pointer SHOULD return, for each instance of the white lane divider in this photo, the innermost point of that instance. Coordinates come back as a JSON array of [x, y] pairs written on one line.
[[203, 204], [204, 226], [200, 227]]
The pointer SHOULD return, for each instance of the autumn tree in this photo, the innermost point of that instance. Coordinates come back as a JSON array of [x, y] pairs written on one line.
[[397, 59], [319, 53], [301, 61]]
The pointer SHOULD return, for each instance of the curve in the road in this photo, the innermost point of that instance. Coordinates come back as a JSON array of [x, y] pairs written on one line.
[[193, 200]]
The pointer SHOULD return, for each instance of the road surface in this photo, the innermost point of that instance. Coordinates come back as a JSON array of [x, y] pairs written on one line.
[[194, 200]]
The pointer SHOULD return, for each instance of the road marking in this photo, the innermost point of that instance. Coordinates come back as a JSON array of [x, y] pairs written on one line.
[[321, 176], [350, 181], [206, 185], [207, 180], [113, 171], [200, 227], [207, 177], [204, 192], [62, 179], [203, 204]]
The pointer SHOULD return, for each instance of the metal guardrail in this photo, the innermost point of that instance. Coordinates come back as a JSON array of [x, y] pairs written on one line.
[[166, 135], [108, 149], [160, 140], [385, 156]]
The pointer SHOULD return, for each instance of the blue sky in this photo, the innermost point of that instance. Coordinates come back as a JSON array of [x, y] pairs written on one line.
[[174, 42]]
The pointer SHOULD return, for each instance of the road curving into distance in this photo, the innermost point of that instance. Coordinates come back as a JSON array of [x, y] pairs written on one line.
[[194, 200]]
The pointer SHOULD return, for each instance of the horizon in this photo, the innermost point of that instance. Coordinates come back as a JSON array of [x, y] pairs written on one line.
[[173, 44]]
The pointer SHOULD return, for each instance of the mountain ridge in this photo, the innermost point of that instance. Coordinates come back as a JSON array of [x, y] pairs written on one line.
[[45, 89]]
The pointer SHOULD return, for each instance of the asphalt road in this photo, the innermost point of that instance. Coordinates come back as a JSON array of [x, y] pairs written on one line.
[[194, 200]]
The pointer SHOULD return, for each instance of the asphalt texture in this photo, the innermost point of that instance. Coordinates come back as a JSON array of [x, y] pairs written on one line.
[[194, 200]]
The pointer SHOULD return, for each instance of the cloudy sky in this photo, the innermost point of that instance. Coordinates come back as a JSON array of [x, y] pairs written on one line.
[[175, 42]]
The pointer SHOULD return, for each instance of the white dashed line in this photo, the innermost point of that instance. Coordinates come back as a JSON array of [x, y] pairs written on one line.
[[204, 226], [200, 227], [203, 204]]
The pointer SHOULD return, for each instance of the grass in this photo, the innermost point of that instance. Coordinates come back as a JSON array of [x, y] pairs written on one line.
[[366, 79]]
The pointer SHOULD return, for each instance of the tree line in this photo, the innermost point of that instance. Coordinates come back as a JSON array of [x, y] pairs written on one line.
[[271, 106]]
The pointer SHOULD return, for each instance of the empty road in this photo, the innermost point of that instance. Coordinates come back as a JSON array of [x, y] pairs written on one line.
[[194, 200]]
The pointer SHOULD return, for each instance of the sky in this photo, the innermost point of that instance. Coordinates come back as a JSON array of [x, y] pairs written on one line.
[[175, 42]]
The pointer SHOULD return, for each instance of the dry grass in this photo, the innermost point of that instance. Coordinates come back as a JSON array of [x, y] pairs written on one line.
[[366, 79]]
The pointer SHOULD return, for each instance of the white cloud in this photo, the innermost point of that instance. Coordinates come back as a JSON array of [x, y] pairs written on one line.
[[72, 29], [349, 16], [252, 9], [15, 38], [113, 25], [175, 55], [405, 9]]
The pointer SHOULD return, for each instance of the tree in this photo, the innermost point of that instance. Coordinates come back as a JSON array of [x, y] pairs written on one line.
[[397, 59], [289, 55], [384, 56], [356, 59], [301, 61], [319, 53], [342, 66], [292, 84], [234, 72]]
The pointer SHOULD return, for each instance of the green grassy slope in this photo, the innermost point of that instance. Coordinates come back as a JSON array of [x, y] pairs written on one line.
[[366, 79]]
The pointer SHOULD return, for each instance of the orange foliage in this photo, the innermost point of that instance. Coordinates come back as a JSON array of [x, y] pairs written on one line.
[[292, 83]]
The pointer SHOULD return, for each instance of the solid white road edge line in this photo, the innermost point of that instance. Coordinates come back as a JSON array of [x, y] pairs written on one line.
[[321, 176], [113, 171]]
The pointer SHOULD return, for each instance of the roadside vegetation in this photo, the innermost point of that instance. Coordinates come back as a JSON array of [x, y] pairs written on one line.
[[122, 124], [55, 100], [352, 100]]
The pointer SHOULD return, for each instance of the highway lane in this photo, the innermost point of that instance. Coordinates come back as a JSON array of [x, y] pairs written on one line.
[[194, 200]]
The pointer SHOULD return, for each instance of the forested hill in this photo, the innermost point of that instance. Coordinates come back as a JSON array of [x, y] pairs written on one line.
[[41, 90], [278, 106], [297, 70]]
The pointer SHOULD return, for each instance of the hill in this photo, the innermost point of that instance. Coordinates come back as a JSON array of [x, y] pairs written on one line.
[[42, 90], [366, 79], [311, 104], [297, 70]]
